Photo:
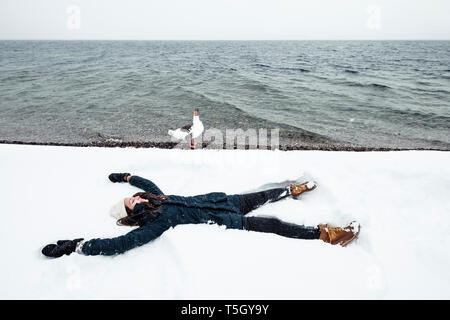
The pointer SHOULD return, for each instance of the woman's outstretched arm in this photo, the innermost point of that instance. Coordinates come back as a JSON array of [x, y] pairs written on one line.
[[121, 244], [144, 184]]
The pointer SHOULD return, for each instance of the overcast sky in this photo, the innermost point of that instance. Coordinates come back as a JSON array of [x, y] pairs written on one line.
[[224, 19]]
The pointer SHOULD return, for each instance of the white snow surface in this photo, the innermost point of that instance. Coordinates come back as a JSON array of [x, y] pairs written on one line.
[[401, 200]]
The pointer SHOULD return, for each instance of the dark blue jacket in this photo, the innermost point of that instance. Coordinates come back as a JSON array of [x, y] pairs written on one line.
[[215, 207]]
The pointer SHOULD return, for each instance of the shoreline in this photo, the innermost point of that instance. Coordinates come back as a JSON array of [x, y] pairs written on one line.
[[172, 145]]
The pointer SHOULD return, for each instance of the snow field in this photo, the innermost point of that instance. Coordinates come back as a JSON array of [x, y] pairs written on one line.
[[401, 200]]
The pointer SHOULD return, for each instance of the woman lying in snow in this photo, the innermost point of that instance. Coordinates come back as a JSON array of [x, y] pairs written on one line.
[[155, 213]]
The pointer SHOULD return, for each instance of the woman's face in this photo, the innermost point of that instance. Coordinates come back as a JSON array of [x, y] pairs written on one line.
[[132, 201]]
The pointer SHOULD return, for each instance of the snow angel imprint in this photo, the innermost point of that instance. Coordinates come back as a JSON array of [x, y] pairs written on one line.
[[153, 212]]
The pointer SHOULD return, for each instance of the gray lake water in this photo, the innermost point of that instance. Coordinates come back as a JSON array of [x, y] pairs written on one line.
[[382, 94]]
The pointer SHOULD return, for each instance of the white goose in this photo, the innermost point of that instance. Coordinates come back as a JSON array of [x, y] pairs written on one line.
[[193, 129]]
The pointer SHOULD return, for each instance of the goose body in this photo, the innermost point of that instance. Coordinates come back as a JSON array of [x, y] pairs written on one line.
[[194, 130]]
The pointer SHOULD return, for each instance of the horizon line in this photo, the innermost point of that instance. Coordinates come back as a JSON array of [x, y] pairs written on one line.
[[399, 39]]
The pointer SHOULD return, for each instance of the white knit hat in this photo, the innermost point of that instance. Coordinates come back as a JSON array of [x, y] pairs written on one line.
[[118, 210]]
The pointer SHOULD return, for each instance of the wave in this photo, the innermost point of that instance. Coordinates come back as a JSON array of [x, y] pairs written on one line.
[[287, 132], [94, 58], [437, 144], [20, 78], [414, 118], [425, 91], [295, 69], [261, 87], [346, 68], [379, 86], [78, 63], [260, 65], [367, 85]]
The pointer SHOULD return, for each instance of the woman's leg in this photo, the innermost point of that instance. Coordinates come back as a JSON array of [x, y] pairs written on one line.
[[251, 201], [285, 229], [324, 232]]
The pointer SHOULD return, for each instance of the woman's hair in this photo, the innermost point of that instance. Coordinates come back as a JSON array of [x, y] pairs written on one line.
[[148, 209]]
